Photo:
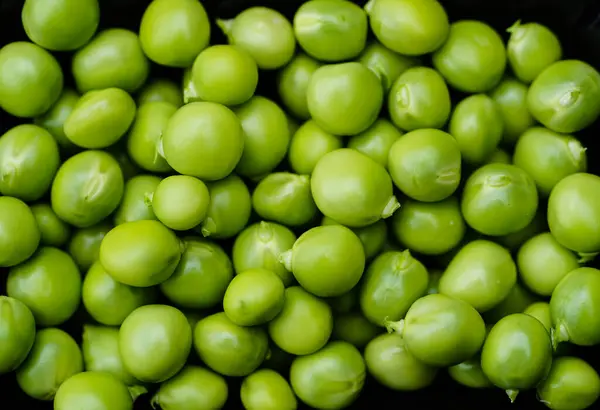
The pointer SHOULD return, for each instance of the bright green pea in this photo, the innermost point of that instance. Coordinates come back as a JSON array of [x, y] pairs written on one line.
[[54, 119], [180, 202], [510, 97], [266, 389], [540, 311], [101, 388], [308, 145], [136, 204], [161, 90], [54, 231], [385, 63], [292, 84], [19, 232], [17, 333], [376, 141], [84, 245], [373, 237]]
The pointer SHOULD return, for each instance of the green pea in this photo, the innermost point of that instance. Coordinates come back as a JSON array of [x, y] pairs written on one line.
[[100, 388], [510, 97], [331, 30], [54, 119], [331, 378], [181, 202], [345, 98], [136, 203], [470, 374], [391, 364], [28, 93], [376, 141], [201, 277], [292, 84], [84, 245], [411, 27], [430, 228], [572, 384], [264, 33], [425, 164], [484, 68], [54, 357], [229, 349], [565, 97], [254, 297], [140, 253], [194, 386], [385, 63], [54, 232], [499, 199], [19, 232], [326, 260], [49, 283], [304, 325], [517, 354], [172, 33], [548, 157], [373, 237], [259, 246], [162, 90], [355, 329], [419, 98], [204, 140], [391, 284], [499, 156], [531, 48], [17, 333], [113, 58], [518, 299], [110, 302], [308, 145], [229, 208], [540, 311], [266, 389]]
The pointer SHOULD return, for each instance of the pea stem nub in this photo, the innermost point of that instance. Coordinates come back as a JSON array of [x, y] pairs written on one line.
[[394, 327]]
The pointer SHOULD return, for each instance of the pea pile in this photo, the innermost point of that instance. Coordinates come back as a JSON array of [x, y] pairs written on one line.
[[416, 201]]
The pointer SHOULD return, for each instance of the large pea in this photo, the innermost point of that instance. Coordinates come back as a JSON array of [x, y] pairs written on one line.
[[385, 63], [140, 253], [87, 188], [373, 237], [17, 333], [19, 232], [181, 202], [517, 354], [29, 159], [425, 164], [391, 284], [308, 145], [482, 274], [49, 283], [499, 199], [54, 119], [229, 349], [441, 331], [575, 308], [266, 389], [109, 302], [352, 189], [326, 260], [136, 203], [100, 388], [510, 97], [54, 357], [292, 84], [304, 324], [376, 141], [540, 311], [84, 245], [419, 98]]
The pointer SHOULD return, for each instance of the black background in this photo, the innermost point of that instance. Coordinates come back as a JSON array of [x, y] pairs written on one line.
[[577, 22]]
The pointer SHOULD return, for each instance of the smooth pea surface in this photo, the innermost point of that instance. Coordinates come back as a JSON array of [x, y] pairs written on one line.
[[19, 232], [163, 90], [54, 119], [308, 145], [136, 205], [510, 97], [373, 237], [266, 389], [180, 202], [84, 245], [17, 333], [98, 389], [53, 231], [518, 299], [540, 311], [470, 374], [376, 141], [355, 329], [292, 84]]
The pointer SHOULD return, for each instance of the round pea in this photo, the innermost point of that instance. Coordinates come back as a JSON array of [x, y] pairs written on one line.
[[266, 389], [499, 156], [574, 308], [54, 119], [229, 349], [565, 97], [345, 98], [100, 118], [510, 97], [99, 388], [430, 228], [484, 67], [161, 90], [391, 364], [264, 33], [192, 387], [574, 212], [482, 274], [154, 341], [373, 237], [254, 297], [531, 48], [425, 164], [84, 245], [572, 384], [331, 378], [352, 189], [477, 126], [308, 145], [112, 59], [292, 84], [140, 253], [304, 325], [499, 199], [540, 311], [229, 208], [355, 329], [19, 232], [49, 283], [385, 63], [31, 79], [517, 354], [29, 159], [180, 202], [136, 205], [548, 157], [266, 136], [173, 33], [391, 284], [259, 246], [376, 141], [53, 231], [17, 333], [470, 374], [203, 139], [331, 30], [410, 27], [419, 98], [54, 357]]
